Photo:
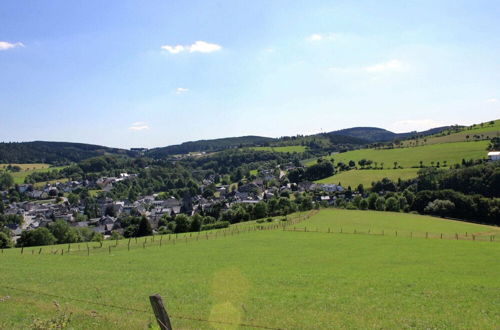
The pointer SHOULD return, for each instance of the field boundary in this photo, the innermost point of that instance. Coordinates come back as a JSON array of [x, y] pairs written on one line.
[[111, 246], [480, 237]]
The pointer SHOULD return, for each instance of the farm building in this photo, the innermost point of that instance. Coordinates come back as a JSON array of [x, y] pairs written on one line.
[[494, 155]]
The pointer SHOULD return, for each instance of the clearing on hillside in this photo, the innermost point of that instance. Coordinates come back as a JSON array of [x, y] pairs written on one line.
[[452, 153], [365, 177]]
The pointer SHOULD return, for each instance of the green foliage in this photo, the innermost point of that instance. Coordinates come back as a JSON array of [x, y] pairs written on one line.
[[6, 180], [144, 228], [215, 225], [5, 241], [36, 237], [440, 207]]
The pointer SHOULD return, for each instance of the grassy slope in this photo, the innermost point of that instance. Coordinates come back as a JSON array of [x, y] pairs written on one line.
[[362, 221], [291, 280], [407, 157], [281, 149], [366, 177], [27, 169], [487, 130]]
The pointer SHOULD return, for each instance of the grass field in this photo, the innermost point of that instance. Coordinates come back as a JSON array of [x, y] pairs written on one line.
[[488, 131], [453, 153], [281, 149], [27, 169], [279, 279], [376, 222], [365, 177]]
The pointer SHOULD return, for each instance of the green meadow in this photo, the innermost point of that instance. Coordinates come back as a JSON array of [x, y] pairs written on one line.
[[365, 177], [272, 278], [452, 153], [487, 131], [27, 169]]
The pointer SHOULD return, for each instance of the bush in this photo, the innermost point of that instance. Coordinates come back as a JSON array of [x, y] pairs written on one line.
[[440, 207], [5, 241], [39, 236], [216, 225], [392, 204]]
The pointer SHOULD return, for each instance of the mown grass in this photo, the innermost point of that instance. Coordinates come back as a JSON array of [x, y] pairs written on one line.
[[452, 153], [290, 149], [27, 169], [280, 279], [375, 222], [365, 177]]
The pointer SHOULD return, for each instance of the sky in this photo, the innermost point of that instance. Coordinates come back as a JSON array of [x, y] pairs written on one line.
[[153, 73]]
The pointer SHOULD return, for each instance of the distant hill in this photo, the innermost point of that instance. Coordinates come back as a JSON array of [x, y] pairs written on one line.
[[375, 134], [52, 152], [209, 145]]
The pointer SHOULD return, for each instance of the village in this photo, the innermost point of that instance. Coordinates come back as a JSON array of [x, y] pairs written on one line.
[[52, 202]]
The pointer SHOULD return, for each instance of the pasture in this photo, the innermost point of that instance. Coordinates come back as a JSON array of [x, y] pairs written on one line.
[[487, 131], [27, 169], [365, 177], [452, 153], [273, 278]]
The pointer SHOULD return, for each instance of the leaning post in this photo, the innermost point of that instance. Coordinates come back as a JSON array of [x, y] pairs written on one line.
[[160, 312]]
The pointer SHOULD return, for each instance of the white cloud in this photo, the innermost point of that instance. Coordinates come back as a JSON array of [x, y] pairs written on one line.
[[324, 36], [203, 47], [4, 45], [410, 125], [384, 67], [492, 100], [181, 90], [173, 49], [139, 126], [199, 46], [389, 66]]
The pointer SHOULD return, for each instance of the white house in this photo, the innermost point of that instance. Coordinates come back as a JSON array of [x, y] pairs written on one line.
[[494, 155]]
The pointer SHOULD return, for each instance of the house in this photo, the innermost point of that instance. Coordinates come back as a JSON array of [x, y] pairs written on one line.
[[494, 155]]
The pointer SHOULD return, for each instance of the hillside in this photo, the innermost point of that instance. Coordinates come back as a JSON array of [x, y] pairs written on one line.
[[52, 152], [268, 278], [209, 145], [375, 134]]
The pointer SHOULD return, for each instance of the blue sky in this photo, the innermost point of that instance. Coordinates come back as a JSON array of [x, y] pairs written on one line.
[[154, 73]]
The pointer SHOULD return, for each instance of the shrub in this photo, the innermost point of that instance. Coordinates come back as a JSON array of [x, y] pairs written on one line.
[[215, 225]]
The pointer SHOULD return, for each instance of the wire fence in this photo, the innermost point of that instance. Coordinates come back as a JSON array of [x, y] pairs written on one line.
[[135, 310], [479, 237], [120, 245]]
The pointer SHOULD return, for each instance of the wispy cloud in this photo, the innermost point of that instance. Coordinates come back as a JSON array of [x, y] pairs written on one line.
[[4, 45], [323, 37], [492, 100], [138, 126], [410, 125], [384, 67], [197, 47], [181, 90], [389, 66]]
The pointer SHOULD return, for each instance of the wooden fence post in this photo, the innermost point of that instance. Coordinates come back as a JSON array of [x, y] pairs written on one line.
[[160, 312]]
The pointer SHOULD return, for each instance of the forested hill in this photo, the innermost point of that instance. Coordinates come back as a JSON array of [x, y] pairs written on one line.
[[52, 152], [209, 145], [375, 134]]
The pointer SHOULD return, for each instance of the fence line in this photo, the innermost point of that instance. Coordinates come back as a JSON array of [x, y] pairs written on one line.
[[410, 234], [136, 310], [111, 246]]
